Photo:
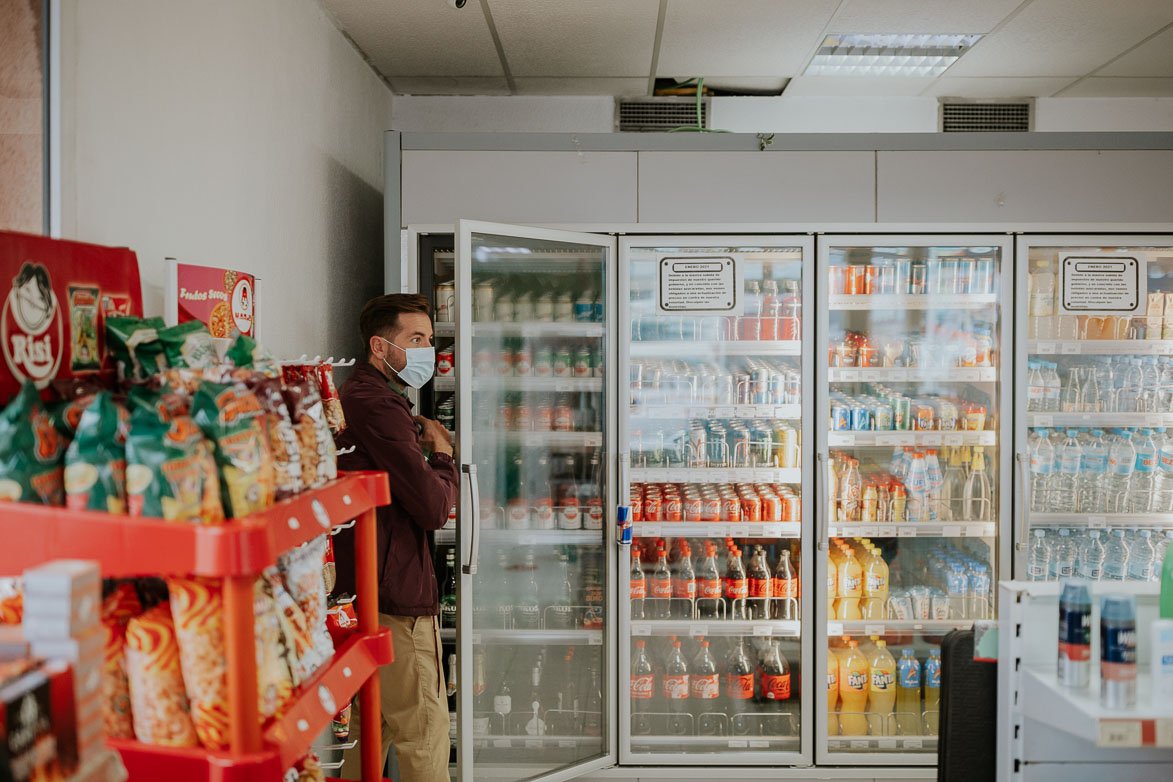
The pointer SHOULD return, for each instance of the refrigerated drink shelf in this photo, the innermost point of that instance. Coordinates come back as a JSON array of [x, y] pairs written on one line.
[[911, 374], [1101, 347], [960, 529], [884, 626], [530, 742], [1097, 520], [547, 439], [1048, 420], [448, 634], [556, 384], [964, 437], [1079, 712], [539, 328], [445, 536], [543, 537], [913, 301], [716, 475], [444, 383], [706, 529], [444, 329], [538, 637], [718, 627], [882, 742], [693, 347], [705, 412], [718, 742]]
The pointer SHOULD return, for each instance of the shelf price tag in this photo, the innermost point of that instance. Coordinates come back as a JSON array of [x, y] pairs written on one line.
[[931, 438], [527, 540], [772, 530], [1044, 420], [533, 744], [724, 412], [907, 531], [502, 743], [649, 530], [696, 630], [563, 385], [1071, 349], [763, 630], [886, 532], [740, 531], [636, 629], [764, 476], [595, 638], [873, 629], [738, 743], [951, 531], [677, 476], [834, 628], [1119, 733], [886, 743], [759, 744], [1045, 348], [890, 439], [1096, 521], [1164, 733], [567, 744], [858, 744], [954, 439], [840, 438], [913, 743]]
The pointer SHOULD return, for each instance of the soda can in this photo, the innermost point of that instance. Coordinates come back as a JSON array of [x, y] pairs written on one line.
[[446, 363], [751, 507], [760, 384], [584, 310], [983, 276], [563, 417], [730, 508], [840, 416], [694, 507], [711, 510], [1075, 634], [445, 302], [885, 417], [857, 279], [837, 280], [741, 448], [482, 362], [482, 301], [698, 444], [771, 507], [506, 415], [903, 268], [860, 419], [776, 394], [636, 503], [791, 507], [653, 509], [947, 276], [925, 418], [563, 363], [671, 328], [719, 445], [763, 445], [544, 362], [965, 272], [624, 522], [918, 282], [583, 365], [903, 417], [523, 417], [742, 382], [673, 508], [871, 279], [887, 281]]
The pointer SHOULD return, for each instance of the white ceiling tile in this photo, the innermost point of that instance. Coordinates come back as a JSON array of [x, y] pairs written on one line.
[[1154, 57], [540, 85], [1120, 87], [741, 37], [920, 16], [420, 37], [450, 85], [598, 38], [997, 87], [858, 85], [1064, 37]]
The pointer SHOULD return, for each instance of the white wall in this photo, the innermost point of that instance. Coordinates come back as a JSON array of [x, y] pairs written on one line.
[[241, 134], [503, 114], [1104, 114]]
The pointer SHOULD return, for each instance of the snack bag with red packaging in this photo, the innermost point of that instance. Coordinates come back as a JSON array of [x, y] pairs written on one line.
[[158, 699], [319, 460], [330, 399], [198, 614], [118, 609]]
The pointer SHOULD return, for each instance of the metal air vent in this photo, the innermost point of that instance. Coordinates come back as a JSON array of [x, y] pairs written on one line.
[[659, 114], [978, 117]]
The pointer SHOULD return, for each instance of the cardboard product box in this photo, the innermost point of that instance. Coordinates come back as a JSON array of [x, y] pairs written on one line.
[[1169, 306], [91, 739], [38, 725], [12, 642], [1167, 329], [1156, 308], [63, 578], [41, 624], [87, 647], [87, 679]]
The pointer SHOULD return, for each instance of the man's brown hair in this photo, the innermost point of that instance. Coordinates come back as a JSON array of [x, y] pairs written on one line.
[[380, 316]]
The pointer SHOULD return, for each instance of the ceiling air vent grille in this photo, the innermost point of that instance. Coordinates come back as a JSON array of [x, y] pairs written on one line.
[[659, 114], [1006, 117]]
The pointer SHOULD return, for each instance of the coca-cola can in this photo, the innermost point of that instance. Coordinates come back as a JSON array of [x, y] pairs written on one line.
[[791, 507], [673, 508], [711, 510], [751, 508], [694, 508], [771, 508], [637, 506], [730, 508], [653, 509]]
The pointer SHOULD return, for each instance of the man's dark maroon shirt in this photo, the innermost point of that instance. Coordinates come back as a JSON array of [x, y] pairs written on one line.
[[380, 427]]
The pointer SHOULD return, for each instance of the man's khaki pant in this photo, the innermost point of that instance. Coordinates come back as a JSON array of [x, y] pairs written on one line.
[[414, 703]]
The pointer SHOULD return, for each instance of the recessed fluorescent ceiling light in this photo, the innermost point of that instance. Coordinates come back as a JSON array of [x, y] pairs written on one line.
[[888, 55]]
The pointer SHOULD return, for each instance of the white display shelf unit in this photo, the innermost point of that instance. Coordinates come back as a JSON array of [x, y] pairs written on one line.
[[1098, 420], [547, 439], [529, 537], [538, 637], [1101, 520], [881, 743], [1100, 347], [715, 529], [912, 374], [955, 529], [912, 301], [1080, 713], [693, 412], [697, 348], [716, 627], [716, 474], [894, 437]]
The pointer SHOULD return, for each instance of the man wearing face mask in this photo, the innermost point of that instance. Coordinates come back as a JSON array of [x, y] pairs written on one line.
[[416, 454]]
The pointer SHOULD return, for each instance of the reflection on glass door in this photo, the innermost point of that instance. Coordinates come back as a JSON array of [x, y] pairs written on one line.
[[533, 344], [714, 426], [1096, 382], [913, 477]]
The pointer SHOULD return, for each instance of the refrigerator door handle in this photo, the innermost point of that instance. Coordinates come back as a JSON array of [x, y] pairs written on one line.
[[822, 481], [1024, 503], [474, 490]]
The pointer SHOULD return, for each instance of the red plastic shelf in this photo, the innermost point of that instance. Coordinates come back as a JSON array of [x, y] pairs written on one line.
[[127, 546], [287, 738]]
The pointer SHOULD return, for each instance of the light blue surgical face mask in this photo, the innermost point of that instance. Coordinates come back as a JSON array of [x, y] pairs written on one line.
[[421, 363]]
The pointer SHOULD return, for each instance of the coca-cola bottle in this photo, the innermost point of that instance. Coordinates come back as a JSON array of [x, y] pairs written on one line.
[[660, 588], [739, 686], [705, 690], [675, 689], [775, 677], [758, 586], [639, 585], [736, 588], [560, 613], [643, 691], [708, 584], [684, 585], [784, 589]]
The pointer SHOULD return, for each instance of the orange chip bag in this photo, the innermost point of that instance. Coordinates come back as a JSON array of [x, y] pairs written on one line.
[[274, 681], [117, 609], [230, 416], [198, 611], [157, 697]]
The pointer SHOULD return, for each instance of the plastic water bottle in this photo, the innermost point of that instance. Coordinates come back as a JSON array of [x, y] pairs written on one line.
[[1140, 489], [1070, 398], [1142, 557], [1042, 455], [1115, 557], [1162, 548], [1091, 557], [1036, 392], [1092, 397], [1062, 557], [1054, 386], [1151, 385], [916, 484], [1062, 484], [979, 592], [1089, 484], [1163, 480], [1131, 387], [933, 482], [1121, 461], [1167, 384], [1038, 563]]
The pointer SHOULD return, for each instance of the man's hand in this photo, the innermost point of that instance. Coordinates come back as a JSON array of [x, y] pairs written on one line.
[[433, 436]]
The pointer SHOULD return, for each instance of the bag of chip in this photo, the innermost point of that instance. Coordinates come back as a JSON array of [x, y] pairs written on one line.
[[319, 460], [164, 402], [302, 570], [230, 416], [246, 353], [83, 329], [198, 613], [95, 462], [32, 451], [170, 470], [311, 770], [298, 639], [189, 345], [274, 680], [12, 609], [118, 608], [134, 344], [282, 437], [331, 402], [158, 700]]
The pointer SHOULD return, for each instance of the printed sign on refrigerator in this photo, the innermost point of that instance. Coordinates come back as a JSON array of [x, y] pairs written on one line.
[[224, 300], [1102, 284], [56, 297], [702, 284]]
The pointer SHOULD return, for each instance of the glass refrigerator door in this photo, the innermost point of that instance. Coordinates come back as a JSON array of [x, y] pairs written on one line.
[[1095, 379], [913, 478], [710, 596], [535, 630]]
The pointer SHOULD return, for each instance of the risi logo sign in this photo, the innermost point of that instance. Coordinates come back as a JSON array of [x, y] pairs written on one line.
[[31, 326], [242, 305]]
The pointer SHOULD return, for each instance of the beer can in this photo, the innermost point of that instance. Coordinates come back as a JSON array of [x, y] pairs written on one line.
[[446, 363], [445, 302], [482, 362], [563, 363], [505, 414], [860, 419], [563, 417], [918, 282], [903, 268], [840, 416], [482, 297], [523, 360], [523, 417]]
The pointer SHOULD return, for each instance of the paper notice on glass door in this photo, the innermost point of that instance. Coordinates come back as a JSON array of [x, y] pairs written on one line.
[[1102, 284], [701, 284]]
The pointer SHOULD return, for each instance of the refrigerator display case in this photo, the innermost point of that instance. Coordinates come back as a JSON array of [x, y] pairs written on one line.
[[714, 367], [1095, 384], [535, 436], [913, 478]]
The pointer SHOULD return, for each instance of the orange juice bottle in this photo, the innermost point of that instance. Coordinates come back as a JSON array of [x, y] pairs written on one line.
[[853, 691]]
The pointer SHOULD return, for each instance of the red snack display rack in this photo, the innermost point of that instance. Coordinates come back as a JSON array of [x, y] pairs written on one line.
[[235, 553]]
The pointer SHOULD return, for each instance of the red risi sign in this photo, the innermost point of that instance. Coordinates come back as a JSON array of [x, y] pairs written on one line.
[[56, 297], [222, 299]]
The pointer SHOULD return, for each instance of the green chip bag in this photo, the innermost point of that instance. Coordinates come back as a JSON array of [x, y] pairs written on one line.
[[165, 401], [170, 472], [189, 346], [31, 451], [95, 462], [232, 418], [134, 343], [247, 353]]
